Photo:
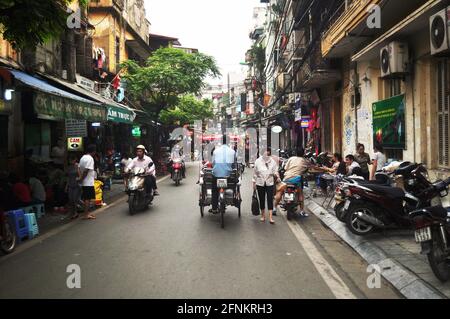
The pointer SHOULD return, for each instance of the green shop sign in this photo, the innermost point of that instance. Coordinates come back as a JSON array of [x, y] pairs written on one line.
[[389, 122], [120, 115], [60, 108]]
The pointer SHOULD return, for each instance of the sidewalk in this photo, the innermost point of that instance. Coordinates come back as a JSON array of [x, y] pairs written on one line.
[[52, 220], [395, 251]]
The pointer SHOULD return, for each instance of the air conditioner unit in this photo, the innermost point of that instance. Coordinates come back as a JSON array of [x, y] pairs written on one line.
[[394, 59], [440, 32]]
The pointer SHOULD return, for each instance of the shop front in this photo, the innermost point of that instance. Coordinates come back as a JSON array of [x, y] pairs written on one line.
[[5, 112], [45, 110]]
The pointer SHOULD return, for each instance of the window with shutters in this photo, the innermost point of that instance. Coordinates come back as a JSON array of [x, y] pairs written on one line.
[[443, 113]]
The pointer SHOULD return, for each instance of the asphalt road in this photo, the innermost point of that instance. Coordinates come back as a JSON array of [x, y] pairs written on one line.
[[169, 251]]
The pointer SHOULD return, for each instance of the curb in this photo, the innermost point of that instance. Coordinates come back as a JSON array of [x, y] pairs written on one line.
[[405, 281]]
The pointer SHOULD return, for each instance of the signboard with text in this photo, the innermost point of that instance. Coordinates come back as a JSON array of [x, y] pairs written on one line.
[[75, 144], [389, 122]]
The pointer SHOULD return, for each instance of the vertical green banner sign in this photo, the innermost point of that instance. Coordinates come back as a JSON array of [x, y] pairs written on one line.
[[389, 122]]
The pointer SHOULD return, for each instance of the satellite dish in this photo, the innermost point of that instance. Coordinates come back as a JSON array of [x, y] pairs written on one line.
[[277, 129]]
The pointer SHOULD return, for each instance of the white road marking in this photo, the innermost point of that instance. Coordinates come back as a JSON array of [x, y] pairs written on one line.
[[326, 271]]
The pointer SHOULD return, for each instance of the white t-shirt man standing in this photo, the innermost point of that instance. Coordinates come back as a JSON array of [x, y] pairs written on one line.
[[87, 169]]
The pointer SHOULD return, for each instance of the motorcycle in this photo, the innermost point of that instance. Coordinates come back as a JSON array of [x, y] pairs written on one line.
[[7, 234], [138, 198], [290, 200], [432, 232], [387, 177], [369, 207], [177, 166]]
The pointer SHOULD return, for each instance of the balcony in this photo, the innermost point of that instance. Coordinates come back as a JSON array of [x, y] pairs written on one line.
[[316, 72], [348, 31], [351, 15]]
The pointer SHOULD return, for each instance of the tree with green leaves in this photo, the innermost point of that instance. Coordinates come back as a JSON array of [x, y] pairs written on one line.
[[167, 75], [28, 23], [188, 110]]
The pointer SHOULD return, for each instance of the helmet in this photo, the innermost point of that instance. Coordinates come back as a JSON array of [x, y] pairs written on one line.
[[141, 147]]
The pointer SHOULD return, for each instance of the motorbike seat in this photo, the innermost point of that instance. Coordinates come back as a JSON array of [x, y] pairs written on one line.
[[389, 192], [437, 212], [404, 171], [375, 182]]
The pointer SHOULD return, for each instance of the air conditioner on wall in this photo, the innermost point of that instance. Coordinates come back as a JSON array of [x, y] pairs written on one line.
[[440, 32], [394, 59]]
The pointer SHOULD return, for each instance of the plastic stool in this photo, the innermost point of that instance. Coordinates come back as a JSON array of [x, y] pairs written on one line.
[[20, 225], [33, 229], [37, 209]]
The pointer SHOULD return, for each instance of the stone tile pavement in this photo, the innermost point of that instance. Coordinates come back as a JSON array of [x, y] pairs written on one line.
[[395, 251]]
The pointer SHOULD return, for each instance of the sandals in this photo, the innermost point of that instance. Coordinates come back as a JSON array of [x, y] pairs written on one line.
[[89, 217], [272, 222], [263, 219]]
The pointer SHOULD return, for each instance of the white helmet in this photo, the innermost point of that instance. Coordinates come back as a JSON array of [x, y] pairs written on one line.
[[141, 147]]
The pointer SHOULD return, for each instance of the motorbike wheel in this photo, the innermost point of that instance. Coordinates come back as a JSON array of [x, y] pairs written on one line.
[[438, 258], [132, 204], [357, 226], [339, 212], [177, 182], [202, 210], [9, 243]]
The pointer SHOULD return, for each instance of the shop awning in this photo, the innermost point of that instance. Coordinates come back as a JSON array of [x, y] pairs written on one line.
[[117, 112], [53, 103]]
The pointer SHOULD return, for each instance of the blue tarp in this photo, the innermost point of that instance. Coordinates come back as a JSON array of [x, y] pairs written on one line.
[[43, 86]]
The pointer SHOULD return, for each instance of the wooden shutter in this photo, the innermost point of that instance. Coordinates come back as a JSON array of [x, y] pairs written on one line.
[[443, 113]]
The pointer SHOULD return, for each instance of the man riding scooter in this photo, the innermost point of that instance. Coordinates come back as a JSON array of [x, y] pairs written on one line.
[[142, 161], [295, 167]]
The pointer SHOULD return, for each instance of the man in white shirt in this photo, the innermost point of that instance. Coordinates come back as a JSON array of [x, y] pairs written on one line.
[[352, 165], [143, 161], [87, 169], [126, 160]]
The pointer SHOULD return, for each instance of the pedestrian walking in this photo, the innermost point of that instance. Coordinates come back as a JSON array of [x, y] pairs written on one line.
[[87, 169], [126, 160], [73, 188], [264, 177]]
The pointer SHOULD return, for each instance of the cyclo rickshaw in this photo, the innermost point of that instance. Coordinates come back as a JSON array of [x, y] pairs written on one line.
[[229, 190]]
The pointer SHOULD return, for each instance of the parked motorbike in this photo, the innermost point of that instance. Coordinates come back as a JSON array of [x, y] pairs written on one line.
[[177, 167], [432, 232], [7, 234], [138, 198], [389, 177], [369, 207], [290, 201]]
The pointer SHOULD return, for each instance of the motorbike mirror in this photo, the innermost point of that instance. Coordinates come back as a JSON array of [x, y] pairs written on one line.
[[150, 165]]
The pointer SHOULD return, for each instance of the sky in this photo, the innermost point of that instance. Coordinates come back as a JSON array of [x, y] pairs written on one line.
[[216, 27]]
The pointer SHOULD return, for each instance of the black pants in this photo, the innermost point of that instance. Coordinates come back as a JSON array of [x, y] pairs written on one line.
[[150, 183], [262, 192]]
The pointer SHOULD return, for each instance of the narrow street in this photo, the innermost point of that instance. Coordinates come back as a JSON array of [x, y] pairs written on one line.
[[169, 251]]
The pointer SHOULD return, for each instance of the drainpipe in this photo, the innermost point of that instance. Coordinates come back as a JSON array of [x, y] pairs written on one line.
[[356, 106]]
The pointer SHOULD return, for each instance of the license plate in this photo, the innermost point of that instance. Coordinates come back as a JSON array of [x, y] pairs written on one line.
[[222, 183], [423, 234], [289, 197], [347, 205]]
